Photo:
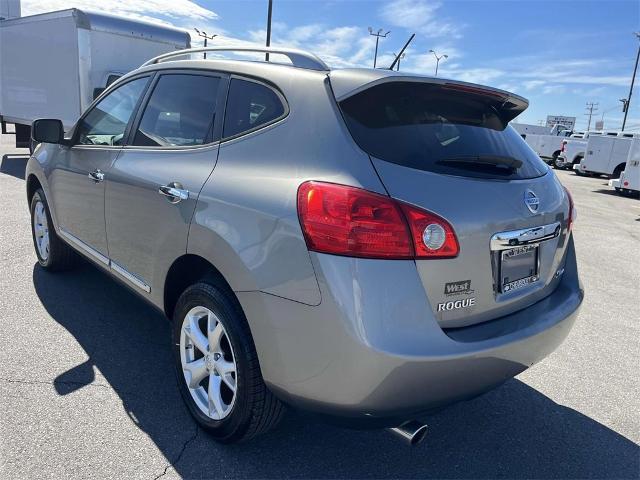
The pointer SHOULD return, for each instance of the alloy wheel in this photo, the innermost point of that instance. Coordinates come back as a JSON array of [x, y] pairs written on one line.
[[41, 230], [208, 363]]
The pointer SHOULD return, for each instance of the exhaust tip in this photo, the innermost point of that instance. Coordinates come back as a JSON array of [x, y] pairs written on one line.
[[411, 432]]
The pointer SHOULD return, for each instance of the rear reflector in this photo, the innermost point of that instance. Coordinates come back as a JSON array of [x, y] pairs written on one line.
[[572, 211], [343, 220]]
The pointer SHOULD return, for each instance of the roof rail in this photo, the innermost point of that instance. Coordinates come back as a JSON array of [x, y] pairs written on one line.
[[299, 58]]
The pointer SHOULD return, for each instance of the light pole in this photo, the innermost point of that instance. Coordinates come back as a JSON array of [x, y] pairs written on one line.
[[206, 37], [399, 57], [377, 34], [438, 58], [625, 104], [269, 12]]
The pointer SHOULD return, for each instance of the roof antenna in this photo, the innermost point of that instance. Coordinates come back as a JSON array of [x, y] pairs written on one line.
[[402, 51]]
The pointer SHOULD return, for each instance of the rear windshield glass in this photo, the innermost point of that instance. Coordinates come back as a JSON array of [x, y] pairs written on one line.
[[439, 129]]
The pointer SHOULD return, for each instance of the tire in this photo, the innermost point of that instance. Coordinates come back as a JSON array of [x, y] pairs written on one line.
[[554, 158], [253, 409], [53, 254]]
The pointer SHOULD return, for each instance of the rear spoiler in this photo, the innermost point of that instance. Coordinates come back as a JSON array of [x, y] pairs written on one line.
[[349, 82]]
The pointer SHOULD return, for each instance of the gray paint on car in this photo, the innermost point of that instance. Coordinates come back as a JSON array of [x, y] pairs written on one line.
[[352, 337]]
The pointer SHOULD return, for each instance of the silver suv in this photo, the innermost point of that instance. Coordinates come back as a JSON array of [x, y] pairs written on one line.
[[363, 244]]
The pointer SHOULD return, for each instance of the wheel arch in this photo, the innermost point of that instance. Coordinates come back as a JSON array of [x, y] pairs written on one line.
[[185, 271], [33, 184], [620, 167]]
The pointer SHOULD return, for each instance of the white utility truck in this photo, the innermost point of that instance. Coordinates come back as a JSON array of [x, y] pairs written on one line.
[[54, 64], [629, 181], [606, 154], [548, 146], [572, 150]]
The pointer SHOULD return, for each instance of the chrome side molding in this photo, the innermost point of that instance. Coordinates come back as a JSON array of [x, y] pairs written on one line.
[[93, 253], [89, 250], [525, 236], [130, 277]]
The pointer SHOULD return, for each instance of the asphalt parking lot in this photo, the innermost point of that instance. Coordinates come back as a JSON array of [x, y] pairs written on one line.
[[87, 387]]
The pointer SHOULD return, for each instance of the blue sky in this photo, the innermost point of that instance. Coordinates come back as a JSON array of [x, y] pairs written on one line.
[[559, 54]]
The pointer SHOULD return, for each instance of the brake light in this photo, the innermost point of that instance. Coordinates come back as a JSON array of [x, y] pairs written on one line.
[[562, 145], [350, 221], [572, 210]]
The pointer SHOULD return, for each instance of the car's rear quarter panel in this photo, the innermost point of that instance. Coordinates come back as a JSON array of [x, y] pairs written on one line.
[[246, 220]]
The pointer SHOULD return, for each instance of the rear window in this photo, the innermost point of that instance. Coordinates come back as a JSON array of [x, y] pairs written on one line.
[[439, 129]]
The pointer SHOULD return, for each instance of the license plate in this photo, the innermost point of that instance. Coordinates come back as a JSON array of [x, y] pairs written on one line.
[[518, 267]]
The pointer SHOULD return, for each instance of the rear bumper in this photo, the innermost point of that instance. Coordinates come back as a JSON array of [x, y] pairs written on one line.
[[615, 182], [372, 352]]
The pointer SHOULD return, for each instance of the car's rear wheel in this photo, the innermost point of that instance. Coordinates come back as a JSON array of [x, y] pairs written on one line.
[[217, 366], [53, 254]]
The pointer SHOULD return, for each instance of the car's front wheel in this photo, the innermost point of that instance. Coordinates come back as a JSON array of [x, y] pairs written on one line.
[[53, 254], [217, 366]]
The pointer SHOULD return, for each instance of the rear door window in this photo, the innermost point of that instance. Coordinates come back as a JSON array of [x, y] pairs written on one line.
[[180, 112], [438, 129], [250, 105]]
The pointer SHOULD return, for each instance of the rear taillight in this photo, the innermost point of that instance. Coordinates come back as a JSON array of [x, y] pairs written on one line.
[[343, 220], [563, 145], [572, 211]]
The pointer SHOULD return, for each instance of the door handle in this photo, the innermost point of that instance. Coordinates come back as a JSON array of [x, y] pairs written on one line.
[[97, 175], [174, 192]]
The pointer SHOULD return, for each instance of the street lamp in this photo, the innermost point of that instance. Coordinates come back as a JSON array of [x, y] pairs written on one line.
[[206, 37], [269, 15], [402, 55], [377, 34], [625, 105], [438, 58]]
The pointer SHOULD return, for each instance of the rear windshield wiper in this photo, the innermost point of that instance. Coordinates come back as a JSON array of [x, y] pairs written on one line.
[[477, 162]]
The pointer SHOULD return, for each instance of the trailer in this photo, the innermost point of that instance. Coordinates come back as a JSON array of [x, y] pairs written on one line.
[[629, 181], [53, 65], [606, 154]]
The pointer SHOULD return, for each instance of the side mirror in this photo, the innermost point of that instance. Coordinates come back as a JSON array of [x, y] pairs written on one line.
[[47, 130]]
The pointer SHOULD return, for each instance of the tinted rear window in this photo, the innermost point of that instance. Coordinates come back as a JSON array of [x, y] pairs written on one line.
[[438, 129]]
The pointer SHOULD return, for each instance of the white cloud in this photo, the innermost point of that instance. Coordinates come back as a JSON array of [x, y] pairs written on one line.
[[420, 16], [532, 84], [342, 46], [148, 10]]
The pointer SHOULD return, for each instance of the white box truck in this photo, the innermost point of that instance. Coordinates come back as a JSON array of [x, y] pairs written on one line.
[[629, 181], [606, 154], [528, 128], [54, 64]]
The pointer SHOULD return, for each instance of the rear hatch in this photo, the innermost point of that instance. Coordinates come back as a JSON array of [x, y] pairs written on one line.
[[447, 147]]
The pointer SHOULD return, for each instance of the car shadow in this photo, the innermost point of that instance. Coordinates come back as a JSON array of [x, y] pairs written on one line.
[[513, 431], [14, 164], [611, 191]]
